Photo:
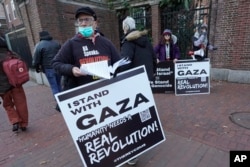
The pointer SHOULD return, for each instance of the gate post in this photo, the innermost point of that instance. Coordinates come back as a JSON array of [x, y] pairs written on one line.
[[156, 23]]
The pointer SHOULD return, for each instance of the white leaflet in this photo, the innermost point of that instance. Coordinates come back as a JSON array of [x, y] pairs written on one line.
[[101, 68]]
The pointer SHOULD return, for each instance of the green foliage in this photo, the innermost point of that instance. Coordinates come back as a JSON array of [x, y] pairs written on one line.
[[176, 3], [110, 5], [170, 3], [125, 4], [140, 27]]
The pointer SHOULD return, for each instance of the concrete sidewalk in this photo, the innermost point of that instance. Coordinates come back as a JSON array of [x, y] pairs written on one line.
[[198, 130]]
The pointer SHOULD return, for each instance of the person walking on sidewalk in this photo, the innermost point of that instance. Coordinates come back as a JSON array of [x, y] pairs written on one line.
[[85, 46], [13, 98], [44, 52]]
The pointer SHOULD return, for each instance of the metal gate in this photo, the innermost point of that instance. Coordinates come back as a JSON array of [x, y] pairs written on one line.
[[19, 43], [183, 24]]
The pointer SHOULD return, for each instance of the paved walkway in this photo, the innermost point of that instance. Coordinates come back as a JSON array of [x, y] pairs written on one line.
[[198, 131]]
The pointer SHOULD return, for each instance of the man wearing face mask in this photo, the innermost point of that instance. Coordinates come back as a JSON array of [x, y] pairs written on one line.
[[86, 46]]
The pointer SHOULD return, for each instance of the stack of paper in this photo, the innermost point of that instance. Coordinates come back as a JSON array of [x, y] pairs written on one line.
[[101, 68]]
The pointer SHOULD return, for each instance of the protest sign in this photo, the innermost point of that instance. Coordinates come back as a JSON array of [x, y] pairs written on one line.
[[192, 77], [164, 78], [112, 120]]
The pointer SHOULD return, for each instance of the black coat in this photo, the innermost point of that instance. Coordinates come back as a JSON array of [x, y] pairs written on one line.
[[81, 49], [44, 52], [136, 46]]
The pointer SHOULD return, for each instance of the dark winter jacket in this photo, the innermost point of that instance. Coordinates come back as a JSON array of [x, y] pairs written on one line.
[[79, 49], [136, 46], [4, 82], [160, 50], [44, 52]]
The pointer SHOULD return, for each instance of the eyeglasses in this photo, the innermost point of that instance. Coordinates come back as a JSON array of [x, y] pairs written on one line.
[[87, 20]]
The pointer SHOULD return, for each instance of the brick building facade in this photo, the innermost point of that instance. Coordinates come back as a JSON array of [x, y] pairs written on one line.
[[228, 26], [58, 18]]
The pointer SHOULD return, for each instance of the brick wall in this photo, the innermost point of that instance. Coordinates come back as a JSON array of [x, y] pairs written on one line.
[[30, 14], [59, 19], [108, 25], [156, 27], [231, 33]]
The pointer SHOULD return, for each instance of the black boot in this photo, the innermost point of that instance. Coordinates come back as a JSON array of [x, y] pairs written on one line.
[[15, 127], [23, 129]]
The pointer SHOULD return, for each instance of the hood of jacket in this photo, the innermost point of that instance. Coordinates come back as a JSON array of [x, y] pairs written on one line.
[[174, 38], [137, 37]]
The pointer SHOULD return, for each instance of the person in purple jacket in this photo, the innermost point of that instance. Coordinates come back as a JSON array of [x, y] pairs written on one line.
[[87, 46], [167, 48]]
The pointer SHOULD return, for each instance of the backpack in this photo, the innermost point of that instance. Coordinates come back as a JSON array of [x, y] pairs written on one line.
[[16, 71]]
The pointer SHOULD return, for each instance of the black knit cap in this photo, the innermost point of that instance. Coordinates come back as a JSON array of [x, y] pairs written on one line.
[[85, 10], [44, 35]]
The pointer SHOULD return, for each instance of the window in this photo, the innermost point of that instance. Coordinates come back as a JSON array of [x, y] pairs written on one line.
[[139, 14], [8, 12], [13, 9]]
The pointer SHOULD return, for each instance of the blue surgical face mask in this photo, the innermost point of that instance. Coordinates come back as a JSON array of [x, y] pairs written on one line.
[[86, 31]]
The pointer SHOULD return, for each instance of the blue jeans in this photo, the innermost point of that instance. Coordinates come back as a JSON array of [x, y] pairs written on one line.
[[54, 80]]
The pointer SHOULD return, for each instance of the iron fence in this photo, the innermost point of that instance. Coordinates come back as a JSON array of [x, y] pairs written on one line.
[[183, 24]]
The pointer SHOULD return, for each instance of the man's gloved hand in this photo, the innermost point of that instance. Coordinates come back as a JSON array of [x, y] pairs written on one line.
[[38, 69]]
